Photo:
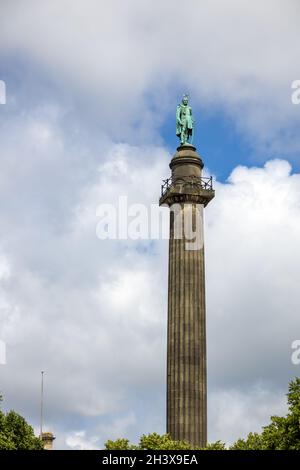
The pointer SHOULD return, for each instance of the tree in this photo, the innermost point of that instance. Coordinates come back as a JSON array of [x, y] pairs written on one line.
[[253, 442], [218, 445], [165, 442], [17, 434], [119, 444], [156, 441]]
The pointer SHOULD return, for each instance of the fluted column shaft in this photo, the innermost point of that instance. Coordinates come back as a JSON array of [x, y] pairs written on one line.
[[186, 352]]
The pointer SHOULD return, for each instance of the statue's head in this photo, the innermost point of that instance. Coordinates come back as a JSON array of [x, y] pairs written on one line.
[[185, 99]]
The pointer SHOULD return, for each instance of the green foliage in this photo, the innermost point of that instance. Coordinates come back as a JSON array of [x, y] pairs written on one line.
[[162, 442], [218, 445], [119, 444], [253, 442], [283, 433], [156, 441], [16, 433]]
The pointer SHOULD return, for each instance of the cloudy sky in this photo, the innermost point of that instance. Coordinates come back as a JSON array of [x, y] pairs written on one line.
[[92, 88]]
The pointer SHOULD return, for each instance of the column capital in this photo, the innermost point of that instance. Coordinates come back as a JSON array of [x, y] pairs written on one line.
[[187, 185]]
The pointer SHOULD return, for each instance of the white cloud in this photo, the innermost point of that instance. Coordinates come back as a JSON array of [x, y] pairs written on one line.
[[253, 271], [4, 268], [81, 440], [240, 413], [77, 441]]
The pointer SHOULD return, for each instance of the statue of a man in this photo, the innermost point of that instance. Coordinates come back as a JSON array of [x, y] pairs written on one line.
[[184, 121]]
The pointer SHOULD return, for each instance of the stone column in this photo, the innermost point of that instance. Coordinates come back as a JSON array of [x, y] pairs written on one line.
[[186, 348]]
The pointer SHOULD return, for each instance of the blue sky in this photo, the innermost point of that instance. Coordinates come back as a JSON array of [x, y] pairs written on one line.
[[92, 90]]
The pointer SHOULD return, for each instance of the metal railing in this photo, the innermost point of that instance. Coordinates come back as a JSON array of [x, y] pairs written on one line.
[[203, 182]]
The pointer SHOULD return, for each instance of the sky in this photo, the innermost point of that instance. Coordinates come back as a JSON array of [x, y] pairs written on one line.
[[91, 94]]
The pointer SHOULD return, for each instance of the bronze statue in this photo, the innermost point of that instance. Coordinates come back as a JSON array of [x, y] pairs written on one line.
[[184, 122]]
